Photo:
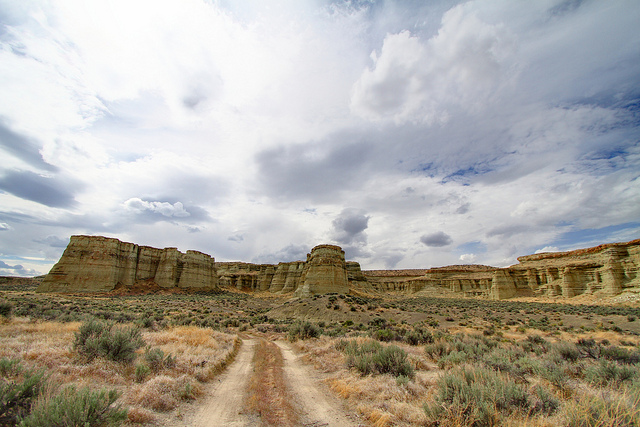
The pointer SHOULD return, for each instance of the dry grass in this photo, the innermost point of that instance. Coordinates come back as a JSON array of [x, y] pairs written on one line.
[[381, 399], [200, 354], [268, 396]]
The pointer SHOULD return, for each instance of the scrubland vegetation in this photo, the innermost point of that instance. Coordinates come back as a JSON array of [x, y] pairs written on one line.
[[98, 372], [395, 361]]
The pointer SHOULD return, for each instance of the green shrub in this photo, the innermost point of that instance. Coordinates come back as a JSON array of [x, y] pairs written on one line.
[[418, 337], [142, 371], [157, 360], [6, 309], [303, 330], [9, 367], [97, 338], [72, 407], [452, 359], [371, 357], [437, 349], [477, 397], [545, 402], [554, 373], [620, 354], [607, 372], [18, 393], [567, 351], [384, 335]]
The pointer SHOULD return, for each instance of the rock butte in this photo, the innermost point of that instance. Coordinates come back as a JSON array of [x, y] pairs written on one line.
[[101, 264]]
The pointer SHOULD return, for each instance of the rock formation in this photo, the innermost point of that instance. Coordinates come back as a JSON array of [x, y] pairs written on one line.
[[101, 264], [324, 272], [608, 269]]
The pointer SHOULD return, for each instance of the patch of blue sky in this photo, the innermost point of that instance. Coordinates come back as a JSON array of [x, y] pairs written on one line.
[[593, 236], [474, 247]]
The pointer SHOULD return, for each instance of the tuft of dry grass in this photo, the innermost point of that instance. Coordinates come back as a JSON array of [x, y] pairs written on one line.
[[139, 415], [163, 393], [267, 395]]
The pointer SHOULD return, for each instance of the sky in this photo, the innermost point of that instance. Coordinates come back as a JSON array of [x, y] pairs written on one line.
[[413, 134]]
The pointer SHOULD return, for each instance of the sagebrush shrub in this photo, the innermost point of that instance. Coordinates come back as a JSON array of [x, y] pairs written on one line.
[[477, 396], [18, 389], [371, 357], [6, 309], [73, 407], [303, 330], [608, 372], [97, 338], [157, 360]]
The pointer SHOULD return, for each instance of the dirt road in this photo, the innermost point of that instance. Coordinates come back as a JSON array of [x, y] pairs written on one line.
[[224, 405], [318, 406]]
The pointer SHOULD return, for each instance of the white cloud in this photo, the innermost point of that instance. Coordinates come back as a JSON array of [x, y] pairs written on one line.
[[468, 258], [249, 131], [462, 67], [163, 208], [547, 249]]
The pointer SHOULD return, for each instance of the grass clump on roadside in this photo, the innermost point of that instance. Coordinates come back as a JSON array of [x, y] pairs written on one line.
[[97, 338]]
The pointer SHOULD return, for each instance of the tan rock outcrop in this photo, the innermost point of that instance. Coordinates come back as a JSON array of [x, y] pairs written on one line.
[[608, 269], [101, 264], [324, 272]]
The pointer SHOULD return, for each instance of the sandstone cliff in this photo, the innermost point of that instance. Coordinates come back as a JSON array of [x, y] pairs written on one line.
[[324, 271], [101, 264], [606, 269]]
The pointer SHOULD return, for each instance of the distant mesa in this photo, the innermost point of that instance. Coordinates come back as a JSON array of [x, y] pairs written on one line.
[[101, 264]]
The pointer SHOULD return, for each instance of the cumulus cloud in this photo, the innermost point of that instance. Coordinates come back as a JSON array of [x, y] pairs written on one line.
[[16, 270], [437, 239], [349, 226], [513, 123], [166, 209], [468, 258], [417, 81]]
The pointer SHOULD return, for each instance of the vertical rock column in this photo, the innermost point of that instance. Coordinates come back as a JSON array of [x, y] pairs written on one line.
[[502, 285], [198, 271], [325, 272]]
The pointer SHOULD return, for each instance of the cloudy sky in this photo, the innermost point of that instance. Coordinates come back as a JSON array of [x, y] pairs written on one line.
[[411, 133]]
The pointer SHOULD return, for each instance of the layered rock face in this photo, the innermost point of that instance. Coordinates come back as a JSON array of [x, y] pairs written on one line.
[[468, 280], [608, 269], [324, 272], [101, 264]]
